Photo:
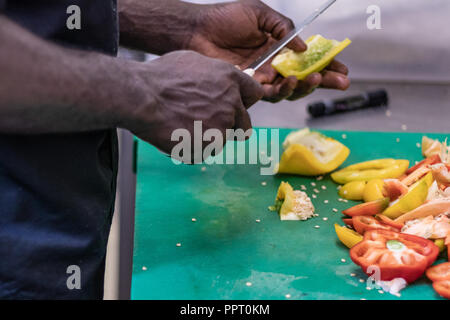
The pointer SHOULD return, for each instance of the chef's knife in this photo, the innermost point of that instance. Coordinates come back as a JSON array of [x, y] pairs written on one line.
[[288, 38]]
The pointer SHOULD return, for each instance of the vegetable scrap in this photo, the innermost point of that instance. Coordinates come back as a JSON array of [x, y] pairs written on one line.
[[292, 204]]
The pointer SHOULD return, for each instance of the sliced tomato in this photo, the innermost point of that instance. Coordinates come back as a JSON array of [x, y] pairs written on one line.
[[397, 255], [366, 223], [389, 221], [439, 272], [415, 176], [442, 288], [348, 222], [394, 189], [425, 163], [367, 209], [416, 172]]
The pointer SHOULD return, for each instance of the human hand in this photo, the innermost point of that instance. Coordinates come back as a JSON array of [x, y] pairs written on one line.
[[182, 87], [240, 32]]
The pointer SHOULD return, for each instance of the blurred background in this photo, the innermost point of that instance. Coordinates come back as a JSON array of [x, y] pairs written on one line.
[[409, 57], [412, 45]]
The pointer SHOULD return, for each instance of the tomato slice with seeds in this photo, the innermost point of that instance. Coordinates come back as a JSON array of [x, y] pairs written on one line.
[[397, 255], [365, 223], [389, 221], [442, 288], [439, 272]]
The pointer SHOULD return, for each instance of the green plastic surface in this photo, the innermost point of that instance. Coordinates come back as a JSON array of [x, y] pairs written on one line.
[[226, 253]]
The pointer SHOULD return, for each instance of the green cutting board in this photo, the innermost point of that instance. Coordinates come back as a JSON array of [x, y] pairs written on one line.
[[226, 253]]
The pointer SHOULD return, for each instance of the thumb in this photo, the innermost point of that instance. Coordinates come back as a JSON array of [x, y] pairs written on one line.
[[250, 89]]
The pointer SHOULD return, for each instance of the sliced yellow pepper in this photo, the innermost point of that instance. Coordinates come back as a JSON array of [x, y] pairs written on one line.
[[428, 179], [310, 153], [415, 197], [440, 243], [369, 170], [347, 236], [353, 190], [373, 190], [320, 53]]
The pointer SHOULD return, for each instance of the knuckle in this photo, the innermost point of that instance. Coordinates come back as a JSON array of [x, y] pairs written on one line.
[[289, 23]]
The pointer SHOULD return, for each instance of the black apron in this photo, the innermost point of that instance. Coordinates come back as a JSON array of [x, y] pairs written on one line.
[[57, 191]]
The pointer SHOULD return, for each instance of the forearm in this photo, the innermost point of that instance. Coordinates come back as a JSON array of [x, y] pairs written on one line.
[[157, 26], [45, 88]]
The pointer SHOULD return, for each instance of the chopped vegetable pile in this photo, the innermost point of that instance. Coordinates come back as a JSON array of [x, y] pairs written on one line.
[[403, 224]]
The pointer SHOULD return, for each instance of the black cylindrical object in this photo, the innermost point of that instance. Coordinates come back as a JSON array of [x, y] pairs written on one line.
[[369, 99]]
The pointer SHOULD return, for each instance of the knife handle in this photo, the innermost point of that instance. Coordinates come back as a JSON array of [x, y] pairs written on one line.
[[250, 72]]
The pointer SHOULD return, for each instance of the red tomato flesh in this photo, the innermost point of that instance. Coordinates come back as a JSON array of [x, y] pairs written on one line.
[[348, 222], [424, 163], [389, 221], [442, 288], [397, 255], [366, 223], [439, 272]]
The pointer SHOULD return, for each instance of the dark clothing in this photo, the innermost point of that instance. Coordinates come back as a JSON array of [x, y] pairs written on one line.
[[47, 19], [57, 191]]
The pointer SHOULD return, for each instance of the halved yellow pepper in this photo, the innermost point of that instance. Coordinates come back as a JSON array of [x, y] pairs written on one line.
[[347, 236], [415, 197], [375, 169], [310, 153], [373, 190]]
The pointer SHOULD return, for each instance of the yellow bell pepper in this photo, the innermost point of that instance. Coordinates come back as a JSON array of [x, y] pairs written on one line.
[[353, 190], [441, 244], [415, 197], [310, 153], [373, 190], [292, 204], [428, 179], [286, 198], [347, 236], [320, 53], [369, 170]]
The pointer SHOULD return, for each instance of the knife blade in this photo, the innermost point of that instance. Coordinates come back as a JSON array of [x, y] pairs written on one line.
[[288, 38]]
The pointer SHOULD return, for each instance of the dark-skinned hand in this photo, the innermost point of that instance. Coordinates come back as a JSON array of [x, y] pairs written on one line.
[[179, 88], [239, 32]]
